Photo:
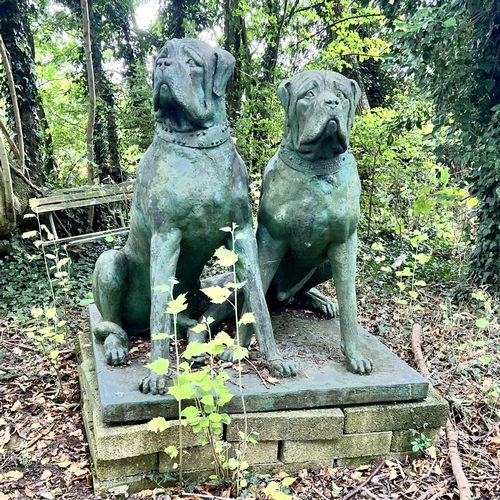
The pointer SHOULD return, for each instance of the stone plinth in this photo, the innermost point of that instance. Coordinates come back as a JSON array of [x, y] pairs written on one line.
[[322, 382], [326, 416]]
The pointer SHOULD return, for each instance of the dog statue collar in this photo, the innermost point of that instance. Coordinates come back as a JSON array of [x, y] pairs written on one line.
[[202, 139], [320, 168]]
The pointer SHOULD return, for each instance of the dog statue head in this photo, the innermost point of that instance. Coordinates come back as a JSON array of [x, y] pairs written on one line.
[[189, 83], [319, 108]]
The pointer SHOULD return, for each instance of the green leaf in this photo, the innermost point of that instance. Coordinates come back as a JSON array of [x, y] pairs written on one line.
[[158, 424], [223, 399], [29, 234], [225, 418], [247, 319], [215, 417], [177, 305], [450, 23], [217, 294], [239, 353], [223, 338], [235, 285], [171, 451], [182, 392], [160, 366], [50, 313], [226, 257], [37, 312], [200, 327], [482, 323], [287, 481], [413, 294], [194, 349], [421, 258]]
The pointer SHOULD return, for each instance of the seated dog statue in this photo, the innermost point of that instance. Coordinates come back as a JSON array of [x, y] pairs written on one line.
[[309, 207], [191, 182]]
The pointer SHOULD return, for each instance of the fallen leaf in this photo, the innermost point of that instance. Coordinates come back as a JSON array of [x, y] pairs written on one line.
[[45, 475], [14, 474], [274, 380], [432, 452], [64, 464], [28, 492], [413, 487], [357, 476], [3, 496]]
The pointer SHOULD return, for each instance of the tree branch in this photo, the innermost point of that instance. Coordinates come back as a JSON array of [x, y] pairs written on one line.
[[15, 105], [11, 142], [456, 462]]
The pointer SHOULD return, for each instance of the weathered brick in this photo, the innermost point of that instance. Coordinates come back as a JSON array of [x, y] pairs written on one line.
[[114, 442], [398, 416], [297, 425], [111, 469], [354, 445], [200, 457], [401, 440]]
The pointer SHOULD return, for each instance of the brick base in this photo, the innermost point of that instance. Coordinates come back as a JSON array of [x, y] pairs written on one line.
[[129, 455]]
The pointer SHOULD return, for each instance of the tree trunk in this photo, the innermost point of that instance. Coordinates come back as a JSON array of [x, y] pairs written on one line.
[[16, 34]]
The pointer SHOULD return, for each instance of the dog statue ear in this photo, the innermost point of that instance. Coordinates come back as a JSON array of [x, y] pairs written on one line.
[[356, 92], [224, 67], [284, 94]]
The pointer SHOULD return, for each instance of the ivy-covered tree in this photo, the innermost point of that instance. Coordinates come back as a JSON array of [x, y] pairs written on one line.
[[452, 49], [16, 33]]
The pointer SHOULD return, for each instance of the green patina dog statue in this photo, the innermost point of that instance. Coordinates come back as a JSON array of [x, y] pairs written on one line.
[[191, 182], [309, 207]]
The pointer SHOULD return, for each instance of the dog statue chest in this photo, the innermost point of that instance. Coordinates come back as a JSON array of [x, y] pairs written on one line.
[[308, 212], [204, 189]]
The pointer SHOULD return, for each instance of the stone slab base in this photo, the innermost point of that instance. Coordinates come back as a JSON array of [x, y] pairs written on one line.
[[126, 455], [322, 381]]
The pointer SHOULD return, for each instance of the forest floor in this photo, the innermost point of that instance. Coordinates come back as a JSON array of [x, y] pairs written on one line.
[[44, 452]]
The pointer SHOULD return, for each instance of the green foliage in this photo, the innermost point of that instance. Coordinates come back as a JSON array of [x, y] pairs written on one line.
[[420, 443], [207, 388], [451, 49]]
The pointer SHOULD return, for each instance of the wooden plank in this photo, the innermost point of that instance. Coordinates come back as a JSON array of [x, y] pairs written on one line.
[[63, 205], [124, 189], [85, 238]]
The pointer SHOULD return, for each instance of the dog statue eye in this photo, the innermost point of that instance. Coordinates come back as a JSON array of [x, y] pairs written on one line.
[[190, 62], [309, 93]]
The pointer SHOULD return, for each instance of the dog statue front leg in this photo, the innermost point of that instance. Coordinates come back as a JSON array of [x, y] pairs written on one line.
[[246, 270], [165, 249], [343, 261], [110, 289]]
